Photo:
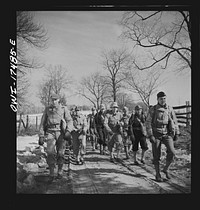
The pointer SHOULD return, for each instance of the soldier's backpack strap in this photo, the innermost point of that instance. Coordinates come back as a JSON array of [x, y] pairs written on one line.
[[154, 114]]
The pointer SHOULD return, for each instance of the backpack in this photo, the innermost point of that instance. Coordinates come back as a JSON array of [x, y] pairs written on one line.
[[142, 124], [171, 123]]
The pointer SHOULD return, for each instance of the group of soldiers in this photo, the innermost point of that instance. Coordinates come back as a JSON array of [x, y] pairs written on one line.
[[114, 131], [109, 131]]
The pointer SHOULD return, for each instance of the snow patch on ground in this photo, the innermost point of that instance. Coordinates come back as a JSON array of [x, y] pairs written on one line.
[[27, 141]]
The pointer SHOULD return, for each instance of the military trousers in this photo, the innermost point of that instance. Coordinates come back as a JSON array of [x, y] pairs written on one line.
[[115, 140], [139, 138], [79, 144], [55, 148], [93, 137], [101, 136], [156, 148]]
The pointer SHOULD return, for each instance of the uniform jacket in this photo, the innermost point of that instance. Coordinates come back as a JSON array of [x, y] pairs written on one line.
[[112, 122], [161, 119], [99, 119], [54, 117], [137, 122], [80, 123], [125, 121]]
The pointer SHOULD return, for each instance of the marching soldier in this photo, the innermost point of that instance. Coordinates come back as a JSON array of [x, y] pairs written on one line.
[[162, 127], [56, 125], [99, 122], [114, 128], [138, 133], [79, 135], [126, 137]]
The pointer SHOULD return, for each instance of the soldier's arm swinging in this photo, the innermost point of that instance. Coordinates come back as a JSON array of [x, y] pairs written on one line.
[[149, 125], [43, 122], [68, 122], [174, 118], [42, 128]]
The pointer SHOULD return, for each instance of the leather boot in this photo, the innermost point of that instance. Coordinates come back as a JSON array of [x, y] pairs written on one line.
[[165, 169], [126, 152], [158, 176], [101, 149], [104, 150], [51, 173]]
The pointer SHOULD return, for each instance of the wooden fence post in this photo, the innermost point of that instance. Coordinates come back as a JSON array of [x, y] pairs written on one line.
[[27, 122], [36, 122], [19, 125], [188, 113]]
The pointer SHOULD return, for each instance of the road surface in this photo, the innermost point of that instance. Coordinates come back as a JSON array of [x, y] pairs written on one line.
[[99, 176]]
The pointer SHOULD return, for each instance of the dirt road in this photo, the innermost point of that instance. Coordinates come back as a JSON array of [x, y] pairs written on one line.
[[99, 176]]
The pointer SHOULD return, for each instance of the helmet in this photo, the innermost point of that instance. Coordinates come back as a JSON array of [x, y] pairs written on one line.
[[125, 108], [138, 107], [54, 96], [77, 108], [161, 94]]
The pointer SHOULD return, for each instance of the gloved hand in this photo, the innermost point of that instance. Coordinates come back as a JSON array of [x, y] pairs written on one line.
[[41, 140], [172, 134], [152, 139]]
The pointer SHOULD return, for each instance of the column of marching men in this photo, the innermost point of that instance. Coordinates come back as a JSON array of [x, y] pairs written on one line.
[[109, 131]]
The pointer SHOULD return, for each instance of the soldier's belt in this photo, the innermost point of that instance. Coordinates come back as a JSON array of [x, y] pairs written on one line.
[[53, 126]]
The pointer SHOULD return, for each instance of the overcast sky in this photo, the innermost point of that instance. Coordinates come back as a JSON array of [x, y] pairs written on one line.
[[76, 40]]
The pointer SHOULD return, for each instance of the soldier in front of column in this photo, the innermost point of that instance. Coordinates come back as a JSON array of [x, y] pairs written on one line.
[[56, 125], [126, 137], [79, 135], [162, 127], [114, 128]]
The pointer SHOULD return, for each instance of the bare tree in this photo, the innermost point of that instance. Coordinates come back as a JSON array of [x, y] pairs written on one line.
[[143, 83], [29, 34], [45, 91], [93, 88], [59, 77], [161, 34], [124, 99], [29, 31], [57, 81], [115, 62]]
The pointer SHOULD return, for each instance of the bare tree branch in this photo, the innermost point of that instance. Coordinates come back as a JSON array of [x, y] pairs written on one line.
[[93, 88], [57, 80], [143, 85], [115, 62], [156, 31], [29, 33]]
